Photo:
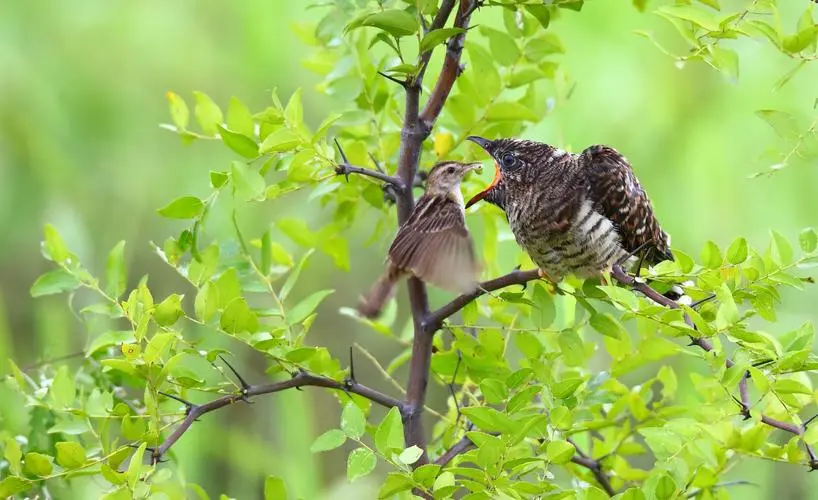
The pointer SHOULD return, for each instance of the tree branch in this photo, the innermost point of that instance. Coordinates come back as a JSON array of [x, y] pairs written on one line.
[[434, 320], [301, 379], [442, 15], [345, 169], [582, 459], [744, 402], [414, 131]]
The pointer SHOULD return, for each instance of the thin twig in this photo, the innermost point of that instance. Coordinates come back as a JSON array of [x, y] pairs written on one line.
[[301, 379], [584, 460], [345, 169]]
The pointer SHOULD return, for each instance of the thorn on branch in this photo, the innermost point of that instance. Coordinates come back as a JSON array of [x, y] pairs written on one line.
[[351, 380], [702, 301], [451, 387], [245, 387], [402, 83], [188, 405]]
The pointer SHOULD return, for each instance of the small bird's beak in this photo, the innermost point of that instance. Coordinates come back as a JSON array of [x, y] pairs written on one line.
[[476, 166], [498, 175]]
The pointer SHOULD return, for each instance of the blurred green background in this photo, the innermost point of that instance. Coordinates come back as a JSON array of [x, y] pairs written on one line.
[[81, 94]]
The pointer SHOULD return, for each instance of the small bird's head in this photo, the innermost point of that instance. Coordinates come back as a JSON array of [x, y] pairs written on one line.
[[511, 158], [445, 177]]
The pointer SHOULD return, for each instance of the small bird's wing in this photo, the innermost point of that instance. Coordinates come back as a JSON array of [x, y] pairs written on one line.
[[616, 194], [434, 245]]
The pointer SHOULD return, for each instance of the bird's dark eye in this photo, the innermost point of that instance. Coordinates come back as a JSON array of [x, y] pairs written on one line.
[[508, 160], [450, 170]]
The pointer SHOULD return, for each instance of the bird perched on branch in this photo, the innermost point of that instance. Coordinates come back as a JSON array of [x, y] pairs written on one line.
[[433, 244], [572, 213]]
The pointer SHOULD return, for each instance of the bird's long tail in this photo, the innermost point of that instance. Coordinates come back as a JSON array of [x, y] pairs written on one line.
[[372, 303]]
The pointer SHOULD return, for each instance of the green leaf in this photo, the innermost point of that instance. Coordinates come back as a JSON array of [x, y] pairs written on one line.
[[12, 485], [156, 346], [789, 386], [360, 462], [13, 454], [559, 452], [410, 455], [38, 464], [782, 122], [54, 281], [237, 317], [504, 49], [281, 140], [217, 179], [178, 111], [294, 111], [135, 466], [329, 440], [238, 142], [808, 239], [541, 13], [724, 60], [737, 252], [510, 111], [274, 488], [115, 273], [207, 113], [240, 119], [62, 390], [801, 40], [728, 311], [396, 483], [494, 391], [207, 302], [781, 249], [353, 421], [389, 434], [621, 295], [169, 310], [689, 13], [543, 312], [293, 276], [55, 248], [396, 22], [711, 255], [70, 455], [438, 36], [489, 419], [186, 207], [304, 308], [607, 325], [248, 182], [108, 339]]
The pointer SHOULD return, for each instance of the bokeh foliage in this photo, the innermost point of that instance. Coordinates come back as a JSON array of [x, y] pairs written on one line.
[[525, 365]]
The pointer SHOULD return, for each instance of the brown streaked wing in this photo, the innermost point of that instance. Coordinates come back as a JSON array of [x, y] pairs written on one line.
[[617, 194], [434, 244]]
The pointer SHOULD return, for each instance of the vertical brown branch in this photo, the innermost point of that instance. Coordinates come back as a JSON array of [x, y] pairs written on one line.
[[416, 128]]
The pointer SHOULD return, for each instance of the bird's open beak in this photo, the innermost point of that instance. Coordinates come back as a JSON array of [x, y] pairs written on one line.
[[498, 175]]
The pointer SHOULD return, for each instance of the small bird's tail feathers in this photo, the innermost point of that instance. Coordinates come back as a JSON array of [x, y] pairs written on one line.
[[371, 305]]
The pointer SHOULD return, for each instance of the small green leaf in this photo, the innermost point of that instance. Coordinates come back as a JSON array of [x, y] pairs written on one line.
[[169, 310], [217, 179], [510, 111], [808, 239], [304, 308], [541, 13], [12, 485], [237, 317], [156, 346], [801, 40], [274, 488], [238, 142], [186, 207], [689, 13], [294, 111], [54, 281], [178, 111], [790, 386], [108, 339], [281, 140], [329, 440], [38, 464], [543, 312], [396, 22], [63, 389], [115, 272], [360, 462], [711, 255], [389, 434], [607, 325], [240, 119], [438, 36], [781, 249], [54, 246], [737, 252], [394, 484], [559, 452], [728, 311], [207, 302], [292, 279], [70, 455], [13, 455], [248, 182], [782, 122], [135, 466], [353, 421], [410, 455], [504, 49], [207, 113]]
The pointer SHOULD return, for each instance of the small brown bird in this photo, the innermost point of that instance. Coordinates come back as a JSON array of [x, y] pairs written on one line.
[[433, 244], [572, 213]]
